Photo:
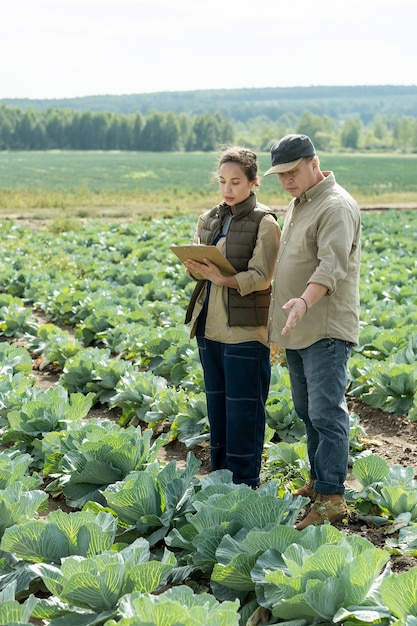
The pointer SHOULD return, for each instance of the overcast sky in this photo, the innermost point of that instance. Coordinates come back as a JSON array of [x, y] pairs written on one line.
[[70, 48]]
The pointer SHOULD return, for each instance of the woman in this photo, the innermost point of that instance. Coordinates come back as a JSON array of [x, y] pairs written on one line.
[[228, 315]]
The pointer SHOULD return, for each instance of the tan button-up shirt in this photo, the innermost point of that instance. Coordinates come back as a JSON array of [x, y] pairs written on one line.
[[320, 243]]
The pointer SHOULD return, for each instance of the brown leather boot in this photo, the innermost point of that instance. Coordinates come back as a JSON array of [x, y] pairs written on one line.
[[307, 490], [326, 508]]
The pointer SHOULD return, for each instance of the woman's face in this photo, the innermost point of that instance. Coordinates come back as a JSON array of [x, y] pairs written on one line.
[[233, 183]]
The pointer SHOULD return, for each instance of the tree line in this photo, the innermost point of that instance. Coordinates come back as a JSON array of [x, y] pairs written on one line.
[[63, 129], [161, 131]]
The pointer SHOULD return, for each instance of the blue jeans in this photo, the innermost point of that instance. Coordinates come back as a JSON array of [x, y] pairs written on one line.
[[318, 377], [237, 378]]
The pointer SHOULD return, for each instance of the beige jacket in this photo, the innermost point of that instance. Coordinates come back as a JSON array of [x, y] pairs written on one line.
[[320, 243]]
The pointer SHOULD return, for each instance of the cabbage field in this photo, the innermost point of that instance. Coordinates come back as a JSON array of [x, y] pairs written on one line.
[[132, 539]]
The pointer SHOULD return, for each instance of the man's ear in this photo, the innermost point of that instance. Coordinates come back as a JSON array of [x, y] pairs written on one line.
[[315, 162]]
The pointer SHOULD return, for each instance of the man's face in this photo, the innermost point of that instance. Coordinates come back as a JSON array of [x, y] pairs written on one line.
[[298, 180]]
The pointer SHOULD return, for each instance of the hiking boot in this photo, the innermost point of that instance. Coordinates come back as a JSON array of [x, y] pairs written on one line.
[[326, 508], [307, 490]]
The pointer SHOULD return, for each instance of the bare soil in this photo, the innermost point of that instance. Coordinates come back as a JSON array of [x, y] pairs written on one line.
[[392, 437]]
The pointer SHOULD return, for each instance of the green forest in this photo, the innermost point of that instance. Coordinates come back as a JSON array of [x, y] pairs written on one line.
[[364, 118]]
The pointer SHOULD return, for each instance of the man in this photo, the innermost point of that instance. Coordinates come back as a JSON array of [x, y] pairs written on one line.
[[314, 314]]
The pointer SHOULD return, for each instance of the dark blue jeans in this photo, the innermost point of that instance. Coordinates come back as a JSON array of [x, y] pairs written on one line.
[[237, 378], [318, 377]]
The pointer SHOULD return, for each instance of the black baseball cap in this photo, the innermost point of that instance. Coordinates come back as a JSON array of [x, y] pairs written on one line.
[[287, 153]]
